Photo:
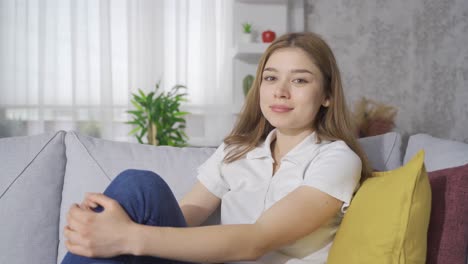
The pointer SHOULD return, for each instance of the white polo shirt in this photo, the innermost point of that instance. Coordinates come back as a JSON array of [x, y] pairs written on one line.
[[247, 189]]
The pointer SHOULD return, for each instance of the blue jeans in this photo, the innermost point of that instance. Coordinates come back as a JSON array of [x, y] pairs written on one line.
[[148, 200]]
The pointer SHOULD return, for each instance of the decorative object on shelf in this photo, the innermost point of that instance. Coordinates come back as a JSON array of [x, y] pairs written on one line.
[[247, 83], [268, 36], [158, 116], [373, 118], [247, 35]]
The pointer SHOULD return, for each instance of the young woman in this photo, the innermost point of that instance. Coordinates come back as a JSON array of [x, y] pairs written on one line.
[[283, 178]]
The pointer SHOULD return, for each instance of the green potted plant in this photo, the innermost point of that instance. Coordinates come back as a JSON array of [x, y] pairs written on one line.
[[247, 83], [157, 115], [247, 35]]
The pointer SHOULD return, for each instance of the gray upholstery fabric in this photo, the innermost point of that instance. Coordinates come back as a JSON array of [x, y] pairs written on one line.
[[383, 151], [439, 153], [92, 163], [31, 180]]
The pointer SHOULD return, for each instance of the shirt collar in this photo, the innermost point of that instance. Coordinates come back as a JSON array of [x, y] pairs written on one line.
[[263, 150], [296, 155]]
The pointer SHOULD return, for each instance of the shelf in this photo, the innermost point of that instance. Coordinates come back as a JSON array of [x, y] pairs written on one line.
[[250, 52]]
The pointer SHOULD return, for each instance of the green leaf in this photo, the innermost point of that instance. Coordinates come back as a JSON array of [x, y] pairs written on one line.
[[135, 130], [149, 98], [139, 139], [137, 106], [134, 122], [142, 94], [135, 112], [141, 102]]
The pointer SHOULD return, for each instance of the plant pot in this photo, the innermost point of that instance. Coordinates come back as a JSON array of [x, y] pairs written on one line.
[[247, 37]]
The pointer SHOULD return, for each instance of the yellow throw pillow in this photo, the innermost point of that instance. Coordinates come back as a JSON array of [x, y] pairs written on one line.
[[388, 219]]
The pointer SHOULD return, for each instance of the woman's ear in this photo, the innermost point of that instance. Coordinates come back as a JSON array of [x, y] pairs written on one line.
[[326, 103]]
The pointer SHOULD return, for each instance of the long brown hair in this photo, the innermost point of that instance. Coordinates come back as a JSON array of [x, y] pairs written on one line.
[[331, 123]]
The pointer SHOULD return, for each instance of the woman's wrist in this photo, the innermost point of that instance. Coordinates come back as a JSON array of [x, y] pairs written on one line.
[[133, 244]]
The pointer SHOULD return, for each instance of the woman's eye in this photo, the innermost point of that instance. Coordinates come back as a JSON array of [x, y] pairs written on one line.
[[300, 81], [269, 78]]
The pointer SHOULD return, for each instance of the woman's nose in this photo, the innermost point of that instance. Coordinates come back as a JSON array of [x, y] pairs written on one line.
[[281, 90]]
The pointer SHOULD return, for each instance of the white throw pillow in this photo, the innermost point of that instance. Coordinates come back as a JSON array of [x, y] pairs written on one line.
[[440, 153]]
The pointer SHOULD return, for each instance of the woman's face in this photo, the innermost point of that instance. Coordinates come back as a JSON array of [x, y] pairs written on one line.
[[291, 91]]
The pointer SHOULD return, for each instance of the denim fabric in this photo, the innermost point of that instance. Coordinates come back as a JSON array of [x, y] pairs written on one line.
[[148, 200]]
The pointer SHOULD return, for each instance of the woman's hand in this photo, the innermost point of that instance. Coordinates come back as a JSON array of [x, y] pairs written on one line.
[[103, 234]]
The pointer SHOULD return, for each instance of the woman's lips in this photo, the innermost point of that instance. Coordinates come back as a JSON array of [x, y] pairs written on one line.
[[281, 108]]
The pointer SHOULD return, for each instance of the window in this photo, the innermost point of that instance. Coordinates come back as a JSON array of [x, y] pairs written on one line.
[[73, 65]]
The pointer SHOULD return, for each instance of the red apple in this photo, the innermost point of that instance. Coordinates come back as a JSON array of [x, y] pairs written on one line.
[[268, 36]]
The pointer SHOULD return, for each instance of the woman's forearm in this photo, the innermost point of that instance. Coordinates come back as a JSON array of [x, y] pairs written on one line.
[[220, 243]]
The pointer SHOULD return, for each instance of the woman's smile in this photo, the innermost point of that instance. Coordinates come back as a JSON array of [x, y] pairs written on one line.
[[281, 108]]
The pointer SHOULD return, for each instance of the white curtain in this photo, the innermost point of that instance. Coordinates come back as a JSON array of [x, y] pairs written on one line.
[[73, 64]]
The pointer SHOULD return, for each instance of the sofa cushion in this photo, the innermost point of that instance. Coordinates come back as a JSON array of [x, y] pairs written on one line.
[[388, 218], [383, 151], [93, 163], [447, 240], [31, 180], [440, 153]]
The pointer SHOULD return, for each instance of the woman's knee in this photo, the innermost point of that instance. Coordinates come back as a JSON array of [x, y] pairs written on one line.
[[131, 177], [145, 196], [140, 181]]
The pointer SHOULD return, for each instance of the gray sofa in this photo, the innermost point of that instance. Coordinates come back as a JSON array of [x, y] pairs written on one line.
[[41, 176]]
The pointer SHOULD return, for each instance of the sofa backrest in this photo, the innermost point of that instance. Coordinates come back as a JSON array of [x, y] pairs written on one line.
[[31, 180]]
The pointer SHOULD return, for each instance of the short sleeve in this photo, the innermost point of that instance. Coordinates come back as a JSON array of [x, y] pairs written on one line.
[[209, 173], [336, 171]]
